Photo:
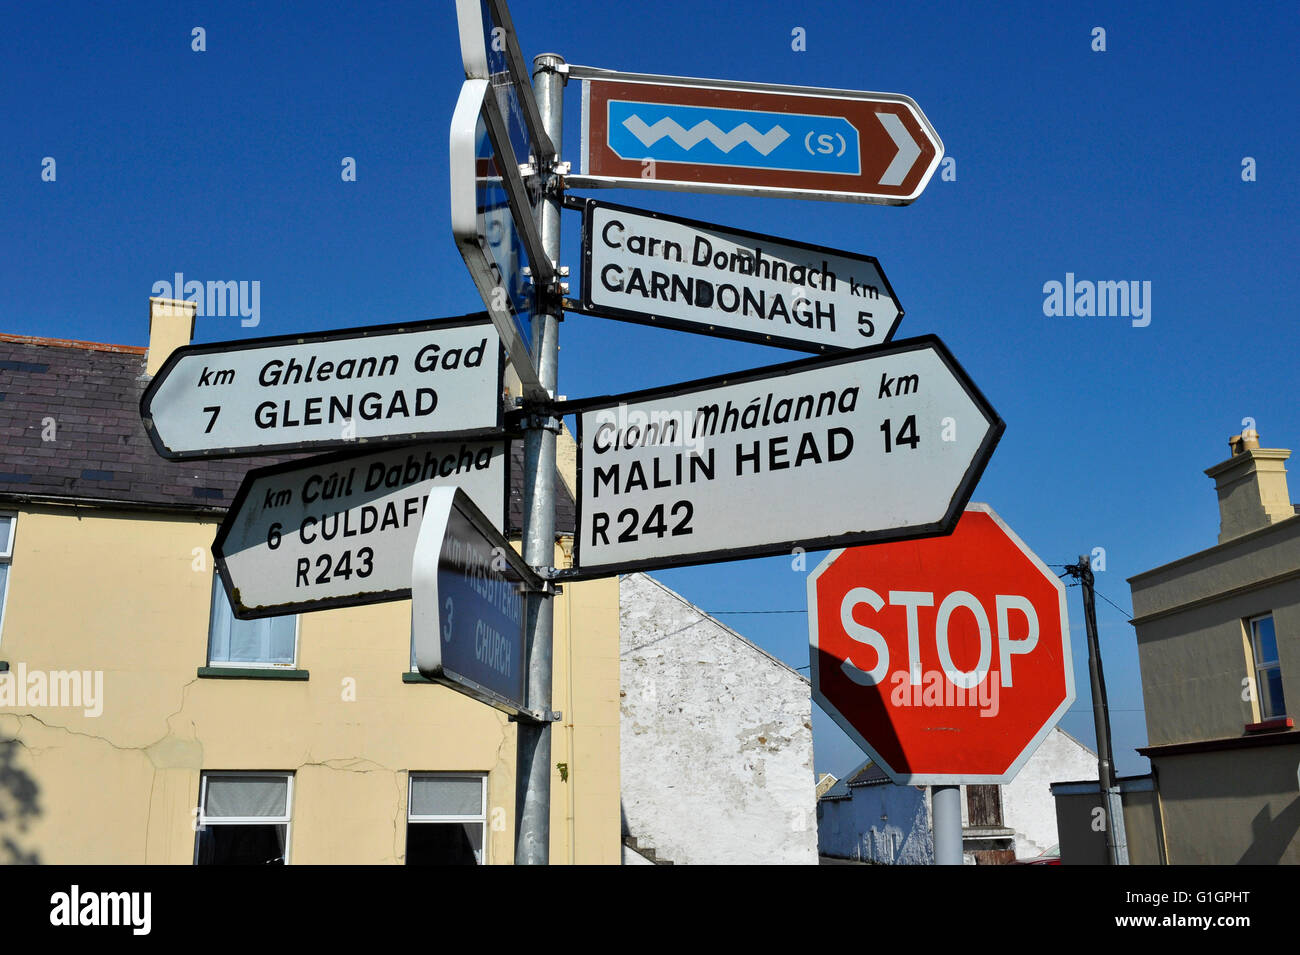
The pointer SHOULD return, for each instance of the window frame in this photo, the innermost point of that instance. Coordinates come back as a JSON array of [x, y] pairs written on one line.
[[1257, 669], [203, 820], [481, 818], [252, 664], [7, 558]]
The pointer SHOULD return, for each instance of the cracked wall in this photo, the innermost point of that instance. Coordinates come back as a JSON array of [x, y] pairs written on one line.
[[126, 594]]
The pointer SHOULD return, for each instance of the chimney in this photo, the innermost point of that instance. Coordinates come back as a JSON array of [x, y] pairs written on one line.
[[1252, 487], [171, 325]]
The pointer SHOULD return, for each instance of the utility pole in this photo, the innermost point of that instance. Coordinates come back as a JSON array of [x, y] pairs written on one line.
[[540, 427], [1116, 838]]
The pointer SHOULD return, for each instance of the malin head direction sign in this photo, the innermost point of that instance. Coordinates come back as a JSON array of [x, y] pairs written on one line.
[[881, 443]]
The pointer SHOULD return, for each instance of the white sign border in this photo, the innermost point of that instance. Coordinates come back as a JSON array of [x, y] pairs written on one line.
[[475, 99], [946, 779], [473, 54]]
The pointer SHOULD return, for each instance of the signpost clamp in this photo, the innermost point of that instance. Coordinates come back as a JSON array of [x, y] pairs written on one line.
[[539, 418], [545, 586]]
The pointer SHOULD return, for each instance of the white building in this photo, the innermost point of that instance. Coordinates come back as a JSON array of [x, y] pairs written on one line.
[[868, 818], [716, 740]]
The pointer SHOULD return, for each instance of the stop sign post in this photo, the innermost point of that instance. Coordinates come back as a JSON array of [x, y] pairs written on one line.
[[947, 659]]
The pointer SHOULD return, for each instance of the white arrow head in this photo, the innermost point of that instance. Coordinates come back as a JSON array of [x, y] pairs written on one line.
[[908, 149]]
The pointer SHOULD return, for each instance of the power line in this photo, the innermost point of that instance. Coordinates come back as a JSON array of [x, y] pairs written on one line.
[[1128, 614], [715, 613]]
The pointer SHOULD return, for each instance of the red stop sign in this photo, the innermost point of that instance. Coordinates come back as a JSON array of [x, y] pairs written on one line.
[[946, 658]]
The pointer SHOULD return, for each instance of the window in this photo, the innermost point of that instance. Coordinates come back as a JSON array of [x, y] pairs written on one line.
[[446, 819], [984, 806], [243, 819], [7, 522], [268, 642], [1268, 670]]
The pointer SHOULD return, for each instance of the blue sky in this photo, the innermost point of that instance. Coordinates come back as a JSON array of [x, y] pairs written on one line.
[[1116, 165]]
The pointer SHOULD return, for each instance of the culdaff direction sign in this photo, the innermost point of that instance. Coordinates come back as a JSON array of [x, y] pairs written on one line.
[[339, 530], [382, 384], [657, 269], [673, 132], [881, 443]]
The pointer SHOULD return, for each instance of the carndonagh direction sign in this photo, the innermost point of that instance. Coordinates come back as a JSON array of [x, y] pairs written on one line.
[[882, 443], [340, 530], [675, 132], [658, 269], [382, 384]]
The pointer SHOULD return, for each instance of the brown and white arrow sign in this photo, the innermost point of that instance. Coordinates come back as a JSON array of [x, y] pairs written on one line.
[[673, 132]]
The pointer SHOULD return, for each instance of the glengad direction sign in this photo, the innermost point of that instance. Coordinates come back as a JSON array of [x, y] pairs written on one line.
[[334, 389]]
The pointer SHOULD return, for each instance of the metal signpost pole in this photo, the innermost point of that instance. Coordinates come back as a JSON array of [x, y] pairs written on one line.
[[533, 783], [945, 803]]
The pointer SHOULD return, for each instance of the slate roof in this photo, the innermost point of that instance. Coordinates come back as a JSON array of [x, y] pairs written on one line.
[[866, 774], [85, 398]]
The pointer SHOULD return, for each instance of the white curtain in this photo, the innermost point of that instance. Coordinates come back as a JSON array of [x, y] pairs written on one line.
[[242, 796], [446, 796], [269, 640]]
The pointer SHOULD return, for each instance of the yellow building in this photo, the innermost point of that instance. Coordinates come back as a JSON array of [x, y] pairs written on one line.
[[1218, 636], [141, 723]]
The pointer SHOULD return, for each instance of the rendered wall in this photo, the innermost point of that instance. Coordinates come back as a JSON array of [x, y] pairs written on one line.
[[882, 823], [717, 754], [128, 595], [1232, 807], [1191, 637]]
